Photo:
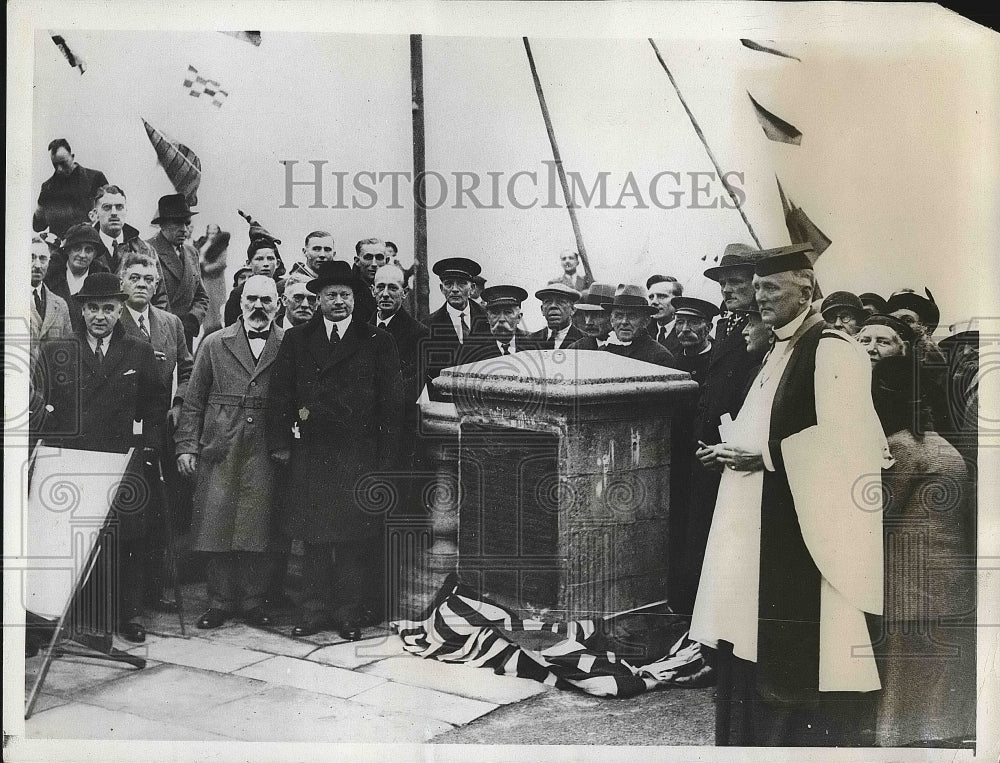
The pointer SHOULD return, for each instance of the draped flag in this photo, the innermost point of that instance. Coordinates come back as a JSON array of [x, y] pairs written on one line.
[[182, 165], [462, 627], [801, 229], [766, 49], [74, 60], [776, 128], [252, 37], [198, 86]]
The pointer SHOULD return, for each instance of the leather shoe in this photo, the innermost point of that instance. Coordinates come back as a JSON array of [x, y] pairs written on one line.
[[134, 632], [350, 632], [308, 628], [212, 618], [256, 616]]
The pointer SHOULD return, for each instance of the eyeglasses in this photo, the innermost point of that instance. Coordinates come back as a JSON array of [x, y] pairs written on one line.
[[312, 299]]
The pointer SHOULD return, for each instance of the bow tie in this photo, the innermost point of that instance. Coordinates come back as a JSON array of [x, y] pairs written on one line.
[[258, 334]]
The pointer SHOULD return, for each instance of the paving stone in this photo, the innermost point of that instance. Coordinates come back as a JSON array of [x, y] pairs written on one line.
[[286, 714], [395, 697], [81, 721], [475, 683], [302, 674], [354, 654], [171, 692], [71, 674], [258, 639], [200, 653]]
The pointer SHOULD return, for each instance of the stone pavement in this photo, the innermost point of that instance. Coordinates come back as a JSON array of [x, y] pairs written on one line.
[[260, 685]]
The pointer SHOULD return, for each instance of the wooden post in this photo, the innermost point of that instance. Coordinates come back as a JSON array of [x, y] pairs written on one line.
[[421, 278]]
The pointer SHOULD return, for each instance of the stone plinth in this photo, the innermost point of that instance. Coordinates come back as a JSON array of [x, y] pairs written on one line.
[[564, 479]]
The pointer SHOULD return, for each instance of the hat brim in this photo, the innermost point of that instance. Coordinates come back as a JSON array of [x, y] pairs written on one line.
[[714, 274], [160, 218], [317, 284], [80, 296], [648, 309], [860, 313]]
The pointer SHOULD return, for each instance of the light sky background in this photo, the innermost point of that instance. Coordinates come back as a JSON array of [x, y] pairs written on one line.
[[892, 159]]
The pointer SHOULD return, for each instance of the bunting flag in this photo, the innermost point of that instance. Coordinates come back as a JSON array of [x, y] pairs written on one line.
[[776, 128], [766, 49], [461, 627], [252, 37], [74, 60], [801, 229], [182, 165], [198, 86]]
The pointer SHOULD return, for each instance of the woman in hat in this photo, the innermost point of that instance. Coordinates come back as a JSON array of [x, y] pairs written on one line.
[[883, 336], [76, 259], [927, 666]]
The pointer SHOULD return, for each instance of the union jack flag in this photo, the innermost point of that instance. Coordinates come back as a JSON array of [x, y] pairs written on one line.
[[198, 86]]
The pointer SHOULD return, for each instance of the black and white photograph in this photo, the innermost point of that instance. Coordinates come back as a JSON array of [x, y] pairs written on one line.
[[502, 381]]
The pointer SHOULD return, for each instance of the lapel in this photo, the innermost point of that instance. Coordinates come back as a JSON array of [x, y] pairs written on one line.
[[158, 331], [356, 335], [442, 326], [168, 256], [270, 351], [235, 340]]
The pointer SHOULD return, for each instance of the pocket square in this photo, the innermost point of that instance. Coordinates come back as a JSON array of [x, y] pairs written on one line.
[[130, 371]]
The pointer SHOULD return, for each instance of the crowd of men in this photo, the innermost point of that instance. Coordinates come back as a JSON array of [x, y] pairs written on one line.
[[313, 383]]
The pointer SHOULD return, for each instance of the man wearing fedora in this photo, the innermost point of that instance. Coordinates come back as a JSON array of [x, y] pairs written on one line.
[[335, 410], [662, 290], [452, 324], [590, 317], [94, 386], [558, 306], [221, 443], [844, 312], [629, 313], [179, 263]]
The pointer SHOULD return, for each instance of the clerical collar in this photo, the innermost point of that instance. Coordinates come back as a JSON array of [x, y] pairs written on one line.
[[787, 331], [136, 314], [613, 339], [341, 326]]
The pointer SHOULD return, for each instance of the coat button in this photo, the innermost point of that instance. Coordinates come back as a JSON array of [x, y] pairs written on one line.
[[249, 419], [253, 384]]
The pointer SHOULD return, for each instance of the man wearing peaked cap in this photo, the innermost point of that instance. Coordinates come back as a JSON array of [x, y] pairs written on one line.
[[503, 316], [818, 552], [694, 323], [629, 313], [844, 311], [179, 263], [455, 322], [558, 307]]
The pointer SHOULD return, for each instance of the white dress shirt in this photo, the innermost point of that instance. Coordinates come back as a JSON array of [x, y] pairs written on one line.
[[341, 326], [456, 320], [144, 315]]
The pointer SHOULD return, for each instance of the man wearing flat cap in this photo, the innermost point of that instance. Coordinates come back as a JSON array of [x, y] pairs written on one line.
[[843, 311], [558, 306], [179, 263], [503, 316], [452, 324], [792, 664], [629, 312], [334, 415], [94, 386]]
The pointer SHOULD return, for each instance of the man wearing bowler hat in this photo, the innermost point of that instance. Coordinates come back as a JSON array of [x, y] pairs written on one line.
[[455, 322], [629, 313], [95, 385], [337, 384], [179, 263], [558, 306], [843, 311]]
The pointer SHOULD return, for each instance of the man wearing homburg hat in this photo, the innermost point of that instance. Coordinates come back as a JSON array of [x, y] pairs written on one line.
[[558, 306], [792, 668], [179, 263], [629, 312], [95, 385], [337, 384], [452, 324]]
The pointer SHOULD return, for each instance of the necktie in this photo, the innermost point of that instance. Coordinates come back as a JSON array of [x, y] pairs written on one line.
[[550, 343], [265, 334], [504, 348], [465, 329], [39, 304], [661, 336], [142, 326], [114, 254], [99, 352], [334, 336]]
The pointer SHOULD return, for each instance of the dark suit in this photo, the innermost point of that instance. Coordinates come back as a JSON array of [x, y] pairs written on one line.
[[408, 334], [347, 403], [364, 301], [182, 282], [485, 347], [65, 200], [55, 279], [642, 348], [55, 324], [670, 341], [541, 338], [442, 346]]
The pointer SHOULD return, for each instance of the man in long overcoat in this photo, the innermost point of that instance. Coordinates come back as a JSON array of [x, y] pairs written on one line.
[[337, 384], [221, 442]]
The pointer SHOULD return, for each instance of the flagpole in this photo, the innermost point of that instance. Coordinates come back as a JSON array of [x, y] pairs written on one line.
[[701, 136], [570, 206], [422, 279]]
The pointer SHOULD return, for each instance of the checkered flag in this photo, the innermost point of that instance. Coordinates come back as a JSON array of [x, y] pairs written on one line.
[[198, 86]]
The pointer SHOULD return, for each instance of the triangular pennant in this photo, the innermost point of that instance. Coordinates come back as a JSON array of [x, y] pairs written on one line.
[[766, 49], [252, 37], [182, 165], [776, 128]]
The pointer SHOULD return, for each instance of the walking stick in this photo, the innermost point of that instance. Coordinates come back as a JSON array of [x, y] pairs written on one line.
[[168, 520]]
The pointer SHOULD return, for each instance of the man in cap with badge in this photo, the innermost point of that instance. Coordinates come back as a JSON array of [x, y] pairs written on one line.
[[558, 306], [452, 324], [334, 416], [693, 324], [503, 316], [629, 313], [221, 444], [179, 263], [787, 676], [95, 386]]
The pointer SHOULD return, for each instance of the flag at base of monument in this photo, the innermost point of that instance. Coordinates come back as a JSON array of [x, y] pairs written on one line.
[[462, 626], [182, 165], [198, 86]]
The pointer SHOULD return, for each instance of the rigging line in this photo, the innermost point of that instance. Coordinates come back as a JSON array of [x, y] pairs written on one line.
[[701, 136]]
